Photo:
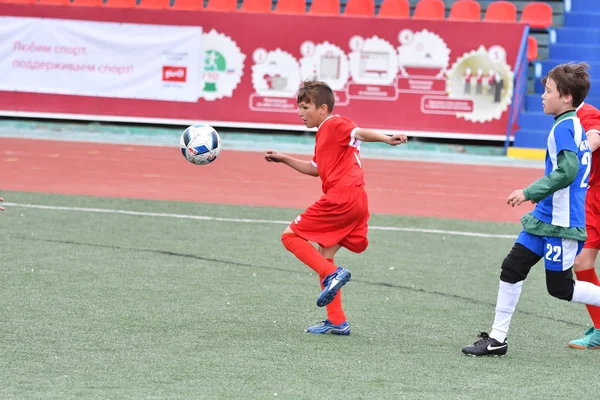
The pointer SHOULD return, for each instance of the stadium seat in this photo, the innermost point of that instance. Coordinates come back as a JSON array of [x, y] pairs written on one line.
[[54, 2], [290, 6], [501, 11], [155, 4], [121, 3], [188, 5], [465, 10], [394, 9], [325, 7], [360, 8], [222, 5], [256, 6], [537, 15], [430, 9], [88, 3], [532, 48], [19, 1]]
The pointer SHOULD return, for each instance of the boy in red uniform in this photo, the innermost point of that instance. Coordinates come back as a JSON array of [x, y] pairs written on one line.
[[584, 263], [339, 218]]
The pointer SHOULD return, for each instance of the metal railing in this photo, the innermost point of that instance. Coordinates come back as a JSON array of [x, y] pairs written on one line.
[[520, 88]]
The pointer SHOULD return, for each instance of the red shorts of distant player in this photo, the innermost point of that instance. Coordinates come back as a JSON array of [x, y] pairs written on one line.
[[592, 218], [339, 217]]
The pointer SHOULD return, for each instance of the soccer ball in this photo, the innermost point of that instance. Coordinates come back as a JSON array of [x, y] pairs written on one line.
[[200, 144]]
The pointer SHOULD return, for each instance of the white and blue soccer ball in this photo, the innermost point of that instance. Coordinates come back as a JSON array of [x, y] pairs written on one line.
[[200, 144]]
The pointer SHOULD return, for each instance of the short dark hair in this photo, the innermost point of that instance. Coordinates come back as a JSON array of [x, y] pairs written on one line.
[[571, 78], [317, 93]]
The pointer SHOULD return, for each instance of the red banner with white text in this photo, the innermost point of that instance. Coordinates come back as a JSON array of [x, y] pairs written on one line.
[[427, 78]]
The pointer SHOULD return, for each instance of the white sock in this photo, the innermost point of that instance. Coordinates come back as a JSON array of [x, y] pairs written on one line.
[[586, 293], [508, 297]]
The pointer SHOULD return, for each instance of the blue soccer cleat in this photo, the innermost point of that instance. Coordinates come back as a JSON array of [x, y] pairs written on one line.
[[326, 326], [331, 284]]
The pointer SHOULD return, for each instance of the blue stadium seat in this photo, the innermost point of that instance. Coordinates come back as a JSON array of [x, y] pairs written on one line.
[[578, 35], [567, 51], [585, 6], [582, 19]]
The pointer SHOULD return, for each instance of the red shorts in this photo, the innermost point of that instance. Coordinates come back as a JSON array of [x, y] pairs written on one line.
[[338, 217], [592, 218]]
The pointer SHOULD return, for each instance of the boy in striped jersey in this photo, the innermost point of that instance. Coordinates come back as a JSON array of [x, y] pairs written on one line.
[[555, 230]]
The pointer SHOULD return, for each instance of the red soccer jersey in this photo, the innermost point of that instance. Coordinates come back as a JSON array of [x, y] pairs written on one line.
[[337, 154], [590, 119]]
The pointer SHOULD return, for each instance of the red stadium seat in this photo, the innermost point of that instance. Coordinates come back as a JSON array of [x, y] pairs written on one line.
[[290, 6], [188, 5], [465, 10], [88, 3], [532, 48], [222, 5], [537, 15], [121, 3], [257, 6], [360, 8], [54, 2], [501, 11], [155, 4], [325, 7], [394, 9], [430, 9], [19, 1]]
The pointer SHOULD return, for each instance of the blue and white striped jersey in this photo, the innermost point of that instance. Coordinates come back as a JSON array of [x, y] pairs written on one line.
[[566, 207]]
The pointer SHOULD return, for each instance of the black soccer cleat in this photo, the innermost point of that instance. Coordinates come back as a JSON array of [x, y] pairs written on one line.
[[486, 346]]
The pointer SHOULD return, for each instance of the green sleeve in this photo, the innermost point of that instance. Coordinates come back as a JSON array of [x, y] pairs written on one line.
[[560, 178]]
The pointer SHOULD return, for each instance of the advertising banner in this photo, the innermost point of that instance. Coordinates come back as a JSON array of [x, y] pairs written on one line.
[[423, 77], [107, 59]]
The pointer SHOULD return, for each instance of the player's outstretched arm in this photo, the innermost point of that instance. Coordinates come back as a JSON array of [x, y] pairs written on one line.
[[593, 137], [302, 166], [366, 135], [563, 176]]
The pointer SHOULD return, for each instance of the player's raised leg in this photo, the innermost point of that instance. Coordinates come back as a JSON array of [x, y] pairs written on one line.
[[307, 253], [334, 277], [336, 322], [335, 312], [332, 283], [356, 241]]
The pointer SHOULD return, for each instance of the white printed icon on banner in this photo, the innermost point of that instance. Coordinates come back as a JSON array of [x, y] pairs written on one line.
[[275, 73], [483, 78], [422, 53], [326, 62], [372, 61], [223, 66]]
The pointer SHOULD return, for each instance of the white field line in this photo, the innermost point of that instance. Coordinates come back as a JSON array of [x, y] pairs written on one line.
[[249, 221]]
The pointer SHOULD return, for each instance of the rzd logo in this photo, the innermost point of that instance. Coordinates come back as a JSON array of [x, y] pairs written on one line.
[[174, 74]]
